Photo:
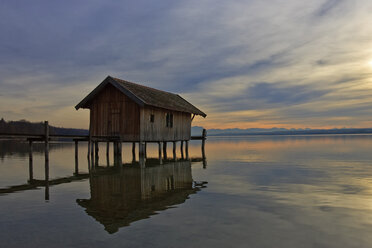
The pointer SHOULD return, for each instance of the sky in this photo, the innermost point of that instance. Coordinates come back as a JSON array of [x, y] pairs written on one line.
[[247, 64]]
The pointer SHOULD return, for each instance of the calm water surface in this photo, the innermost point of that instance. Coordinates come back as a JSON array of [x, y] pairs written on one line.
[[277, 191]]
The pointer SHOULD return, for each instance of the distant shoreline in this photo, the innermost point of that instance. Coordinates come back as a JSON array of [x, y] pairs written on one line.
[[298, 132]]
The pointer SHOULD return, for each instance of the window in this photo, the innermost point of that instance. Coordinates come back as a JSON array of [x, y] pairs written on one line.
[[169, 120], [152, 118]]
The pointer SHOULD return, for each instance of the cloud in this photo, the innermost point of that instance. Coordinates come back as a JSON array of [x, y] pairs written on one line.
[[271, 58]]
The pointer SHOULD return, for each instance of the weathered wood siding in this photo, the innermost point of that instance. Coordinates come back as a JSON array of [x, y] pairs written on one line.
[[113, 113], [158, 130]]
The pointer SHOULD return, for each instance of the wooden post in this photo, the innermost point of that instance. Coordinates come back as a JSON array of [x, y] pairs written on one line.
[[141, 150], [46, 136], [182, 149], [89, 148], [203, 142], [145, 150], [92, 152], [120, 150], [204, 163], [141, 159], [47, 190], [46, 132], [30, 162], [76, 157], [159, 151], [115, 144], [108, 148], [165, 150], [174, 150], [108, 153], [96, 153], [187, 149], [134, 151]]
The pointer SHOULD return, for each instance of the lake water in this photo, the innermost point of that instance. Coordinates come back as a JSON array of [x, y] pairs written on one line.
[[257, 191]]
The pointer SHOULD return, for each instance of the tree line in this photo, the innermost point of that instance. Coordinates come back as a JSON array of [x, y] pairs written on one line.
[[27, 127]]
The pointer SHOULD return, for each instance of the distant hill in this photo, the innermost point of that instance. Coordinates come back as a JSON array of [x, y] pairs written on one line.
[[26, 127], [278, 131]]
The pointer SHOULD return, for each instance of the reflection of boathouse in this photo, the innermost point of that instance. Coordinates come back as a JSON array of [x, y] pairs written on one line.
[[129, 194]]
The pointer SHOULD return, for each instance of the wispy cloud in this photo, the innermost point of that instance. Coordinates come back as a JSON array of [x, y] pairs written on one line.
[[284, 63]]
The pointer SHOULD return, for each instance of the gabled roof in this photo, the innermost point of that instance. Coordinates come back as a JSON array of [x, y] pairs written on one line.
[[144, 95]]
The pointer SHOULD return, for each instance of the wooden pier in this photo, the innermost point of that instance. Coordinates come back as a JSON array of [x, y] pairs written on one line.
[[93, 145], [93, 154]]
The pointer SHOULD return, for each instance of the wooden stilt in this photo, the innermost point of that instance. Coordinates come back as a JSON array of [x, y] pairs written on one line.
[[141, 149], [134, 151], [159, 151], [203, 142], [120, 153], [107, 148], [96, 153], [174, 150], [181, 148], [187, 149], [89, 148], [76, 157], [96, 149], [30, 162], [115, 144], [145, 150], [92, 153], [204, 163], [46, 130], [165, 150], [108, 153], [142, 160]]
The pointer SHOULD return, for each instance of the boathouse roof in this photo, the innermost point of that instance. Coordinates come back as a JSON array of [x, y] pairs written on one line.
[[144, 95]]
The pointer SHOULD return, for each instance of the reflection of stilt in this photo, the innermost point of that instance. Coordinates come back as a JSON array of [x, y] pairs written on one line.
[[46, 129], [76, 157], [30, 162]]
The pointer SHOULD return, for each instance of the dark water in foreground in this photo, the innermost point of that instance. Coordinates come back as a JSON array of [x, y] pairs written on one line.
[[278, 191]]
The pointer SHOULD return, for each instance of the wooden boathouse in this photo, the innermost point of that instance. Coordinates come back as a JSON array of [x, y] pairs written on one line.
[[130, 112]]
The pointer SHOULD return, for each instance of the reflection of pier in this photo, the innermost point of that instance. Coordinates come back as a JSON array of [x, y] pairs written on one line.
[[34, 184], [120, 196]]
